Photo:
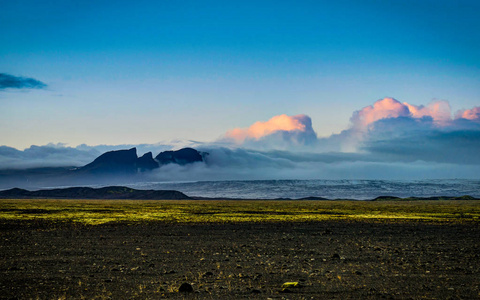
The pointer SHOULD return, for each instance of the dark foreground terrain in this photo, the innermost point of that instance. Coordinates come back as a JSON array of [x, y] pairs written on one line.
[[331, 259]]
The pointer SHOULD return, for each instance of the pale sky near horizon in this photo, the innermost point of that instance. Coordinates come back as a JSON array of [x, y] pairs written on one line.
[[128, 72]]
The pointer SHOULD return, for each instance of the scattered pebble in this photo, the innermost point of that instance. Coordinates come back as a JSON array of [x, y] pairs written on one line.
[[185, 288]]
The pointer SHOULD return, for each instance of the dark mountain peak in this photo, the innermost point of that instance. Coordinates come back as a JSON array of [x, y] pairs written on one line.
[[146, 162], [118, 161], [182, 157], [126, 162], [147, 155], [118, 156]]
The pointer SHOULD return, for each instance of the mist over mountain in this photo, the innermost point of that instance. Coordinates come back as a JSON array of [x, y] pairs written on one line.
[[109, 168], [61, 155]]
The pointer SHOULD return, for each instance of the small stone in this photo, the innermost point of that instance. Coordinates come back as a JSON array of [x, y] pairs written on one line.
[[336, 256], [185, 288]]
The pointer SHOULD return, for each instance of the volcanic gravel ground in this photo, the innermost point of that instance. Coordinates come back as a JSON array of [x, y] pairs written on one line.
[[345, 260]]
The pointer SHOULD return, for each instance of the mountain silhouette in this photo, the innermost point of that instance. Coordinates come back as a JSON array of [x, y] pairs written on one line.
[[111, 192], [182, 157], [146, 162], [110, 168], [119, 162], [126, 162]]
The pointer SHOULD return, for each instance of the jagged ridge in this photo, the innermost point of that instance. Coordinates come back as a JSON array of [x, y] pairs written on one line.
[[126, 162]]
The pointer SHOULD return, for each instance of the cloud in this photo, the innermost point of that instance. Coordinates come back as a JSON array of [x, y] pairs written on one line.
[[141, 148], [394, 125], [60, 155], [285, 132], [457, 147], [8, 81], [439, 111], [280, 132], [51, 155], [388, 108], [469, 114], [246, 164], [389, 130], [382, 109], [431, 136]]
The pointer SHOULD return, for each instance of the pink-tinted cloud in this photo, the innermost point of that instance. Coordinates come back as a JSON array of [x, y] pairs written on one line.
[[382, 109], [469, 114], [386, 108], [385, 119], [281, 123], [439, 111]]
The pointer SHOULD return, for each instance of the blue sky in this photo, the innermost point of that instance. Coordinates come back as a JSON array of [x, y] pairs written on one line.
[[130, 72]]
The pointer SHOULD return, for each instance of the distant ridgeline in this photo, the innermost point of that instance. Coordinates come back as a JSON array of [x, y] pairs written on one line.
[[111, 192], [109, 168], [126, 162]]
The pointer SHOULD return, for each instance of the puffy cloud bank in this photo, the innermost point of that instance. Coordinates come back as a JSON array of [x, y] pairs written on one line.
[[386, 119], [386, 132], [469, 114], [60, 155], [247, 164], [280, 132], [389, 108], [405, 132], [386, 140], [51, 155]]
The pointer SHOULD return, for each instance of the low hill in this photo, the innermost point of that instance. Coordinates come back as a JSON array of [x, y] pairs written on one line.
[[111, 192]]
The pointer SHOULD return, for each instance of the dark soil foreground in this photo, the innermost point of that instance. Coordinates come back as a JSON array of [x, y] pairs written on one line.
[[354, 260]]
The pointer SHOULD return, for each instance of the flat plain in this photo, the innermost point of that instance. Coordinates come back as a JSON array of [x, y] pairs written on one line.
[[120, 249]]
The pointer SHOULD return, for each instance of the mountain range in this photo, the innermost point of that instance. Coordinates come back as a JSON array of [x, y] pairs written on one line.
[[121, 192], [127, 162], [111, 167]]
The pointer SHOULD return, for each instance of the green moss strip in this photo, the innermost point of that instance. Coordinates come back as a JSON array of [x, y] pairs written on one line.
[[227, 211]]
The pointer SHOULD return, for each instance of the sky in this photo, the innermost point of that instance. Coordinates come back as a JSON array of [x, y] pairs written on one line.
[[160, 72]]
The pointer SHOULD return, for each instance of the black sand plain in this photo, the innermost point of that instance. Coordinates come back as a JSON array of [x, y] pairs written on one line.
[[151, 260]]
